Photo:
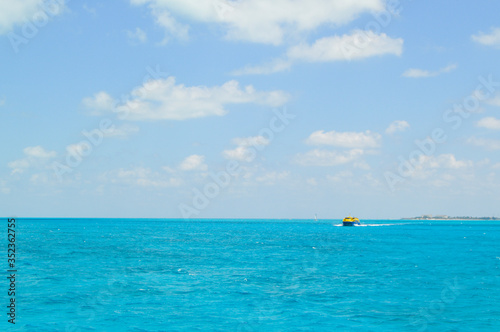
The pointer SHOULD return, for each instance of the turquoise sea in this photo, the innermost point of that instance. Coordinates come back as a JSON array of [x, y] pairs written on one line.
[[254, 275]]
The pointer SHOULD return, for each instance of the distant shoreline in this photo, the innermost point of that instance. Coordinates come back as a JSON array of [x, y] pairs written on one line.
[[451, 218]]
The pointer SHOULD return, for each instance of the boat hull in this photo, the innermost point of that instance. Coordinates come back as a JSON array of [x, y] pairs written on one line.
[[350, 223]]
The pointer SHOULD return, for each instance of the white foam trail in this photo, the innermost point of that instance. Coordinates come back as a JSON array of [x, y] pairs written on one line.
[[370, 225], [376, 225]]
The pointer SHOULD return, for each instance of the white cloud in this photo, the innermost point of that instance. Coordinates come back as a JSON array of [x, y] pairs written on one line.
[[489, 123], [171, 26], [2, 101], [101, 102], [273, 22], [274, 66], [137, 36], [495, 101], [357, 45], [240, 153], [490, 144], [141, 176], [259, 21], [19, 166], [398, 125], [491, 39], [447, 161], [270, 178], [78, 149], [122, 131], [339, 177], [319, 157], [35, 156], [168, 169], [13, 13], [245, 148], [349, 181], [345, 139], [361, 165], [163, 99], [38, 152], [3, 187], [420, 73], [251, 141], [312, 182], [193, 163], [442, 168], [40, 179]]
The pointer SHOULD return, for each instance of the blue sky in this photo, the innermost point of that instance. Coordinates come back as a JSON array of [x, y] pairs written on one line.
[[249, 109]]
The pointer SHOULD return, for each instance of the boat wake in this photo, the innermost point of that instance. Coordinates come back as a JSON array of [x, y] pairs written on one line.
[[368, 225], [376, 225]]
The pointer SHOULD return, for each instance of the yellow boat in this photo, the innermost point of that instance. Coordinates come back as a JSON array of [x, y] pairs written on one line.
[[350, 221]]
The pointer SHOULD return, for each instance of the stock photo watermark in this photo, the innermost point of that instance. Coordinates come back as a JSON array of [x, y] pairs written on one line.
[[363, 38], [78, 152], [202, 197], [11, 270], [30, 29], [294, 282], [453, 117], [449, 295], [96, 304]]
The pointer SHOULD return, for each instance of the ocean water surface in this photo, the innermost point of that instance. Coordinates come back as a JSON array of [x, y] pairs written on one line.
[[256, 275]]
